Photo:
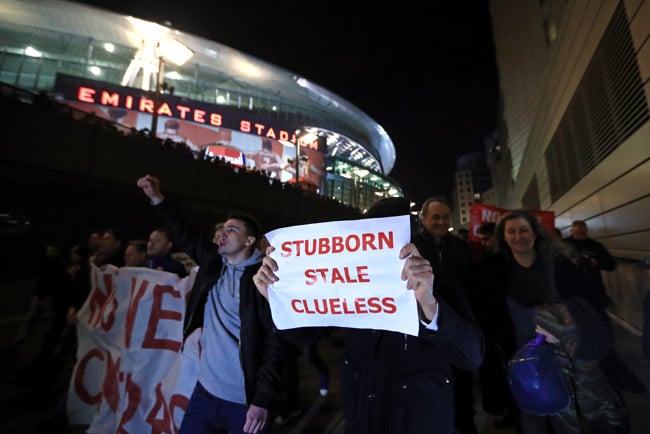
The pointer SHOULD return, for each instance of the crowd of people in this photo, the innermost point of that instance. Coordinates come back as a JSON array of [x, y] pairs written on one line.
[[475, 309]]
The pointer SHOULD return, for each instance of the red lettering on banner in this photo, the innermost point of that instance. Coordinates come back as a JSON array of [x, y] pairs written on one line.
[[157, 314], [180, 402], [80, 373], [128, 103], [337, 276], [163, 425], [245, 126], [100, 302], [341, 306], [86, 94], [136, 296], [110, 387], [134, 398], [480, 213], [337, 244]]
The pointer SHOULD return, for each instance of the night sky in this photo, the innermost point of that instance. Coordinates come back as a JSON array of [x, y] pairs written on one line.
[[428, 77]]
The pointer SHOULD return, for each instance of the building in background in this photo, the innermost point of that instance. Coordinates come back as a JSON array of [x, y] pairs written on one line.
[[471, 179], [574, 133], [219, 101]]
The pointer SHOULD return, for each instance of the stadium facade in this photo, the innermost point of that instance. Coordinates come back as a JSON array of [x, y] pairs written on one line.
[[220, 102]]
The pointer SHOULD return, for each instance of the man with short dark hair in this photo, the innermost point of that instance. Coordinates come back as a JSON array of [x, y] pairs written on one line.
[[112, 248], [241, 356], [135, 254], [159, 252], [486, 238], [592, 257]]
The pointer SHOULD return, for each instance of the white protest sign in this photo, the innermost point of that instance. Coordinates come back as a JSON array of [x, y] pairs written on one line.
[[344, 274]]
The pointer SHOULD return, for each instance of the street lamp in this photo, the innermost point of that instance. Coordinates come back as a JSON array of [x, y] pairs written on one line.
[[172, 51]]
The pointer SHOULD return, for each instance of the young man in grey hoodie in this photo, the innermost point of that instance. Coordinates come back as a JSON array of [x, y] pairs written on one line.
[[241, 356]]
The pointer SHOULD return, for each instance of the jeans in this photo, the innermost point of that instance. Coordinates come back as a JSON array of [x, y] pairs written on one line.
[[207, 414]]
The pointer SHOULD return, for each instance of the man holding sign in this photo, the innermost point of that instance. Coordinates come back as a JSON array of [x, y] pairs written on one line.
[[401, 339]]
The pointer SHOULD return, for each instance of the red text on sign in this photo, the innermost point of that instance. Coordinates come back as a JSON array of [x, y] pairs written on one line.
[[335, 275], [343, 306], [338, 244]]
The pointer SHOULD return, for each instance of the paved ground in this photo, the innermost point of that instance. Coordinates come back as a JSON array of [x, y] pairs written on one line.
[[23, 406]]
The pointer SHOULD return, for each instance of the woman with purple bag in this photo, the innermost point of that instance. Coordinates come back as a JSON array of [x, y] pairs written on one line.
[[540, 291]]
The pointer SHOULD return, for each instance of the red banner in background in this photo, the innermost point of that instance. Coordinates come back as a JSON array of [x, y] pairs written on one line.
[[479, 214]]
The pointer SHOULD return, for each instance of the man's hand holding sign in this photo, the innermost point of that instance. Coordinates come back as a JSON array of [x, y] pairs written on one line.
[[351, 278], [400, 340]]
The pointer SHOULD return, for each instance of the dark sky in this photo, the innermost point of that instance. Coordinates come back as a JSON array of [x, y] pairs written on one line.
[[427, 76]]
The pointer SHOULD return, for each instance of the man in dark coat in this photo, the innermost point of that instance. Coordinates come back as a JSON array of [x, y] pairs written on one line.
[[451, 258], [397, 383], [592, 257]]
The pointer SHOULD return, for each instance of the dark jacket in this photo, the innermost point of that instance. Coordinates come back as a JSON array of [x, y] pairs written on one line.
[[451, 259], [260, 350], [167, 263], [583, 251], [396, 383]]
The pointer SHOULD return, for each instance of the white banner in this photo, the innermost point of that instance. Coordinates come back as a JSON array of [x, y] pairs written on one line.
[[345, 274], [130, 376]]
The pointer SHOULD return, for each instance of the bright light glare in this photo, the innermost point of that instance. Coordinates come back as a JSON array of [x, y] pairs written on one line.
[[32, 52], [109, 47], [247, 68], [148, 30], [95, 70], [174, 51]]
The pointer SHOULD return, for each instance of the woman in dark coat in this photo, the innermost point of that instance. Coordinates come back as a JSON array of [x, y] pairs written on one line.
[[536, 287]]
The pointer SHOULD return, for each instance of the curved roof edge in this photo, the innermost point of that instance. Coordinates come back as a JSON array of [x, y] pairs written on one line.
[[96, 23]]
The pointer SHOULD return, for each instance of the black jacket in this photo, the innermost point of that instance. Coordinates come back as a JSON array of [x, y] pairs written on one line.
[[396, 383], [261, 352], [583, 251]]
